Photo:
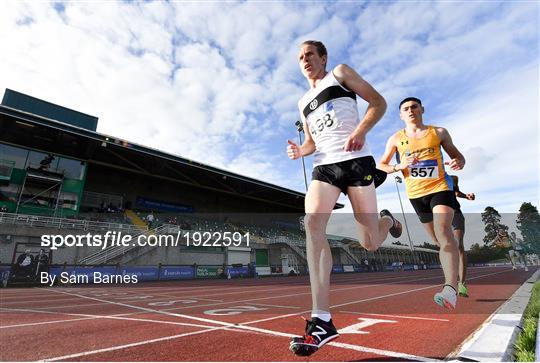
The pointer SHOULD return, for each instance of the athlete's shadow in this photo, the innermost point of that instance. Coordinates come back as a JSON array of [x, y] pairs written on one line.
[[490, 300]]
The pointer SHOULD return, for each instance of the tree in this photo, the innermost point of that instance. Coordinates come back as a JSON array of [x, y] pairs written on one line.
[[528, 223], [492, 220]]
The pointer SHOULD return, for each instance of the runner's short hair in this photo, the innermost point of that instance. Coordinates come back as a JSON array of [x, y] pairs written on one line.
[[321, 49], [417, 100]]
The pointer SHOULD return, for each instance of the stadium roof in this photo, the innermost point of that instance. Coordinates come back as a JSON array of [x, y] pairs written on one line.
[[41, 133]]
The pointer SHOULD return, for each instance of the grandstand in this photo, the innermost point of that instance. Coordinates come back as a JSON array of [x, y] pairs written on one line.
[[58, 175]]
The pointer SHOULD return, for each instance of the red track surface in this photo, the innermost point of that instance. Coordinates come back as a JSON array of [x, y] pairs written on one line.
[[384, 316]]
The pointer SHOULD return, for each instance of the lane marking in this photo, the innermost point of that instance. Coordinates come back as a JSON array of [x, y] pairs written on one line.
[[368, 299], [387, 353], [103, 350], [90, 316], [233, 301], [364, 323], [277, 306], [395, 316]]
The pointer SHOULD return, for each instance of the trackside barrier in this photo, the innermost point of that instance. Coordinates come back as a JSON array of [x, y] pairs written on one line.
[[177, 273], [148, 273], [66, 273], [264, 270]]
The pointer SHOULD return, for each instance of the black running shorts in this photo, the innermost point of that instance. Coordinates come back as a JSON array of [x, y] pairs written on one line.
[[424, 205], [355, 172], [459, 220]]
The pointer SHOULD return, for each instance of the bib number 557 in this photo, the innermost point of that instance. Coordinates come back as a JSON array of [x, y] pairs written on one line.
[[423, 172]]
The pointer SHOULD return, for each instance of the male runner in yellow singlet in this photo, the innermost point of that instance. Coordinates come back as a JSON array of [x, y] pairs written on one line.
[[429, 188]]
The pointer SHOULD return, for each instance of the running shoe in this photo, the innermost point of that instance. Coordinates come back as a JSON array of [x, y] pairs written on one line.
[[462, 290], [447, 297], [318, 333], [526, 268], [396, 228]]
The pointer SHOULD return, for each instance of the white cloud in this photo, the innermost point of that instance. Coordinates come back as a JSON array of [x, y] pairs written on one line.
[[219, 82]]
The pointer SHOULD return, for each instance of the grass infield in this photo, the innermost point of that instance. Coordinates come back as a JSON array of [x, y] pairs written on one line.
[[525, 343]]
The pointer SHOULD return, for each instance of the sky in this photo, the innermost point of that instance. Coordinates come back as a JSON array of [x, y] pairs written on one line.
[[218, 82]]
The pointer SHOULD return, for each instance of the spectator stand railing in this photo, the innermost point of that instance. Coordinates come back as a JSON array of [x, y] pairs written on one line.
[[66, 223], [293, 244], [111, 252]]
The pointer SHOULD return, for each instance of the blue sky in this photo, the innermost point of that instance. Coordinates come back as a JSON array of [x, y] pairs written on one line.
[[219, 82]]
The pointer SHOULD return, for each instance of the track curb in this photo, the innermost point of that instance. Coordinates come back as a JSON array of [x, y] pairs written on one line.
[[494, 340]]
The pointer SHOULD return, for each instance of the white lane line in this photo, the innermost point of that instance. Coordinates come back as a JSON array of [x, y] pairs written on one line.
[[234, 301], [364, 300], [395, 316], [133, 299], [307, 293], [387, 353], [277, 306], [90, 316], [413, 290], [44, 323], [149, 341]]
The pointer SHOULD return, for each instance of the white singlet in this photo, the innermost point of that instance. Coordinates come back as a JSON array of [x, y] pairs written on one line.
[[331, 114]]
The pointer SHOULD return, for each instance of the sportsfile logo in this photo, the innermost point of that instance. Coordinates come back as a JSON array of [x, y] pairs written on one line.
[[119, 239], [109, 239]]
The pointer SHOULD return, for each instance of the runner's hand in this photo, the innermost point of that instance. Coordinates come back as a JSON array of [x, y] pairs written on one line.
[[455, 164], [293, 151], [405, 163], [354, 142]]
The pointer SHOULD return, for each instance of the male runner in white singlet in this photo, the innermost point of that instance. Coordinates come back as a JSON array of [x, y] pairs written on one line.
[[336, 135]]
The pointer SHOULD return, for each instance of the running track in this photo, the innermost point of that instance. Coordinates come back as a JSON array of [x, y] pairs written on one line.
[[381, 316]]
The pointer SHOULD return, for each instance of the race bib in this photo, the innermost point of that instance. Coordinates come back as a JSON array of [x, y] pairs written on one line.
[[426, 169], [324, 120]]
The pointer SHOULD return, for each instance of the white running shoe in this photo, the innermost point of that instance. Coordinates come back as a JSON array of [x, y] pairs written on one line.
[[447, 297], [514, 268], [526, 268]]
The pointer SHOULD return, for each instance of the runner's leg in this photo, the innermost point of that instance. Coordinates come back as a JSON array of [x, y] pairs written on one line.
[[458, 235], [372, 229], [448, 253], [320, 201]]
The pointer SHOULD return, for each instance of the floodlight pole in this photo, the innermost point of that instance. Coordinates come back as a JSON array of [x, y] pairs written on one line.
[[397, 179], [300, 129]]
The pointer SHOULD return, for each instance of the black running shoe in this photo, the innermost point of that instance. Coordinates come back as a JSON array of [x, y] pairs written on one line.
[[396, 228], [318, 333]]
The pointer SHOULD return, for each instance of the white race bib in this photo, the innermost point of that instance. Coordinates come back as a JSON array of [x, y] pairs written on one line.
[[426, 169], [325, 120]]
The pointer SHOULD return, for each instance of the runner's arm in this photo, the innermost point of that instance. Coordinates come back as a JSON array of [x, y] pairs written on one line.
[[376, 104], [386, 158], [352, 81], [459, 193], [457, 161], [295, 151]]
